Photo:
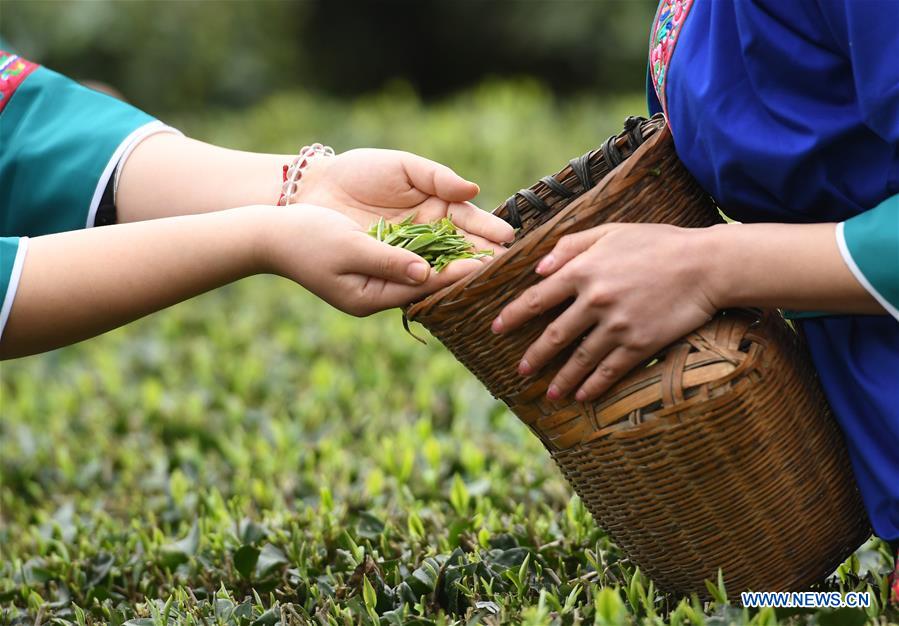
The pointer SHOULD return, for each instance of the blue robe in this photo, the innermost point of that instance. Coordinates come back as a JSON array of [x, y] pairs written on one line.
[[788, 111]]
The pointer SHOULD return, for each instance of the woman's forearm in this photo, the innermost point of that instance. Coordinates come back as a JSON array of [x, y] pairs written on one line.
[[790, 266], [78, 284], [638, 287], [170, 175]]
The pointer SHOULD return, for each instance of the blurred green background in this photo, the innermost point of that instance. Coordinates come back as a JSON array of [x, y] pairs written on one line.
[[247, 456], [187, 55]]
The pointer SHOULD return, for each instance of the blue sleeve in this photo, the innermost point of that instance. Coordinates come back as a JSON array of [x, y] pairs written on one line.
[[60, 143], [866, 32]]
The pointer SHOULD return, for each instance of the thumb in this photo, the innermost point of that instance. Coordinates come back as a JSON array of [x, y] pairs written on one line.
[[380, 260], [383, 294], [569, 247], [438, 180]]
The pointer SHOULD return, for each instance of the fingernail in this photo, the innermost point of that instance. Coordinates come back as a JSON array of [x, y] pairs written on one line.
[[581, 395], [497, 325], [524, 368], [546, 264], [418, 272], [553, 393]]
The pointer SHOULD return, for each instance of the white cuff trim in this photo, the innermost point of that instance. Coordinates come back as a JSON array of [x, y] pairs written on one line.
[[118, 158], [859, 276], [14, 277]]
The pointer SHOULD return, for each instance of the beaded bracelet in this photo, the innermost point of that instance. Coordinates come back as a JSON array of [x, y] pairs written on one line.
[[292, 173]]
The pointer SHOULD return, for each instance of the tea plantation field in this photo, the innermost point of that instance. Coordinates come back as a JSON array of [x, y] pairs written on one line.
[[255, 457]]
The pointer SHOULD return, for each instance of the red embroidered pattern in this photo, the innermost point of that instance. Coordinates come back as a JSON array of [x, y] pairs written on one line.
[[665, 31], [13, 70]]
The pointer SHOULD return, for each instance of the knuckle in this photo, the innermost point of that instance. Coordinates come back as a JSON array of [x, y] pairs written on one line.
[[533, 300], [598, 298], [607, 372], [582, 357], [566, 244], [640, 341], [387, 263], [619, 325], [554, 335], [578, 269]]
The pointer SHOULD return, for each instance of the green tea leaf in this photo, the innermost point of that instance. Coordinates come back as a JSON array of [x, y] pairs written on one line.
[[245, 560], [439, 242]]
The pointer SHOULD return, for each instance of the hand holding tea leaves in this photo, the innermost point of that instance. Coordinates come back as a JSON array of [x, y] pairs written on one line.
[[176, 241], [169, 175], [327, 253], [174, 258], [367, 184], [439, 243]]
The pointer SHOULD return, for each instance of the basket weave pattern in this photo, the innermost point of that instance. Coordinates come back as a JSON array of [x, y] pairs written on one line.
[[721, 452]]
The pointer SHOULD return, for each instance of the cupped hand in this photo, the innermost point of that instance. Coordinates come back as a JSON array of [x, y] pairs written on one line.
[[636, 289], [367, 184], [332, 256]]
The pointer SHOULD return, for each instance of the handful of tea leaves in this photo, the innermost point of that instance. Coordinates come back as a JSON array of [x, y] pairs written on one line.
[[439, 243]]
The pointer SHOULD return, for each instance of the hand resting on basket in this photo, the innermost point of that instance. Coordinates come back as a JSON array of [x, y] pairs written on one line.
[[636, 289], [639, 287]]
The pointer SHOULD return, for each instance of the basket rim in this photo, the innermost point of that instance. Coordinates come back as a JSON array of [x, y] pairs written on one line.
[[619, 172]]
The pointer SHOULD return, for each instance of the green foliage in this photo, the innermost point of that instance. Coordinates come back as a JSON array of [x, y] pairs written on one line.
[[253, 457], [170, 56], [165, 55], [503, 135]]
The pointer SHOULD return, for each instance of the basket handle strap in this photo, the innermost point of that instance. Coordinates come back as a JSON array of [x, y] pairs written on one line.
[[557, 187], [580, 167]]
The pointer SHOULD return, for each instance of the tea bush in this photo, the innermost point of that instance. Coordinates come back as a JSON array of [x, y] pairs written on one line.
[[253, 456]]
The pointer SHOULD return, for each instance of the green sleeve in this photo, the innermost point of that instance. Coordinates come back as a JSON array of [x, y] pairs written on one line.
[[12, 256], [869, 243], [61, 143]]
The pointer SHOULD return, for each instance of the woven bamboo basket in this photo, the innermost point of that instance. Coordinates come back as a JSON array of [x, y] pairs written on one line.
[[721, 452]]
